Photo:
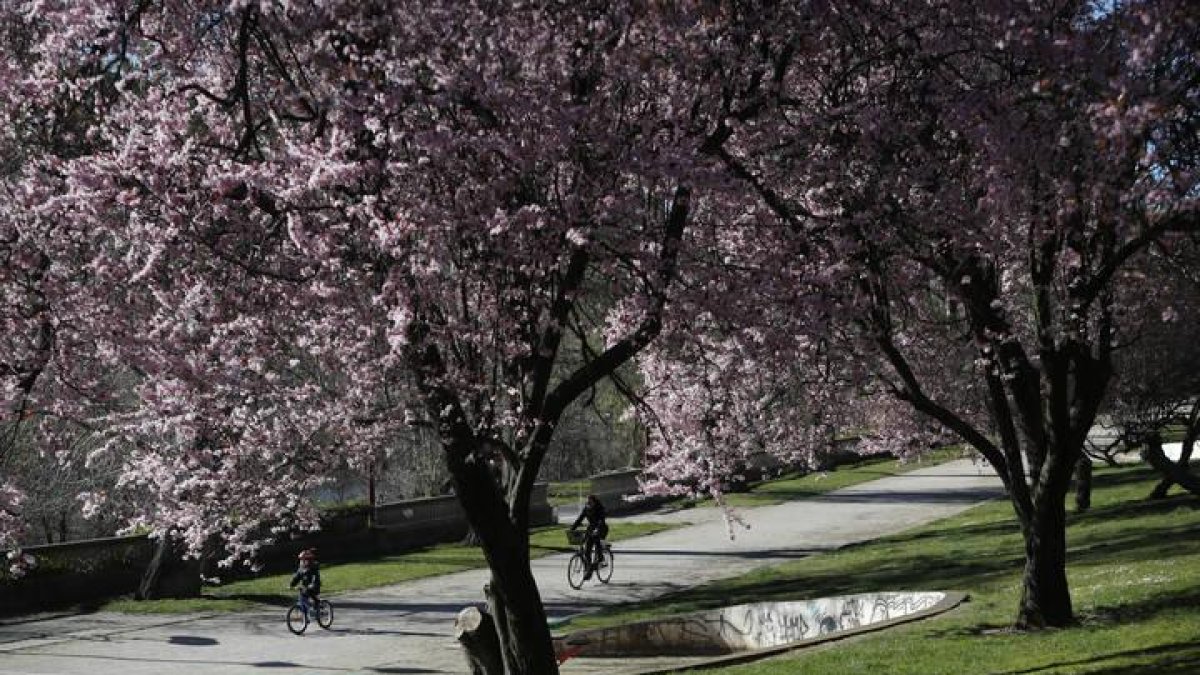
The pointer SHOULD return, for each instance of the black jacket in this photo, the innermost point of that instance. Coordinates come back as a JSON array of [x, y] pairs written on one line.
[[594, 516], [309, 579]]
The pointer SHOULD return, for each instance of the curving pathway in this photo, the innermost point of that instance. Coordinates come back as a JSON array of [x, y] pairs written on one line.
[[407, 628]]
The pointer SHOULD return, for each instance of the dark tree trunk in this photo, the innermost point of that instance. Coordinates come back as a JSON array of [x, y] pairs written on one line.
[[1173, 473], [1083, 484], [149, 588], [494, 478], [514, 602], [1045, 596], [471, 538], [476, 632], [371, 499], [516, 606], [1161, 489], [168, 575]]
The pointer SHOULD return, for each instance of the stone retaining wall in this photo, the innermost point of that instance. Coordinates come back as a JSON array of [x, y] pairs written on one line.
[[77, 571], [85, 572]]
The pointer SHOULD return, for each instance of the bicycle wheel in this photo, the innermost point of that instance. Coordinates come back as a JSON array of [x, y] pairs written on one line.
[[297, 619], [576, 568], [325, 615], [605, 568]]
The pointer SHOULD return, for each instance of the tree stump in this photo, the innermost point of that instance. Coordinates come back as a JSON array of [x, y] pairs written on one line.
[[1083, 484], [476, 632]]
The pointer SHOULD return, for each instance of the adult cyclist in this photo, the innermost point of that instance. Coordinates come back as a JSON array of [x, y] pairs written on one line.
[[597, 530]]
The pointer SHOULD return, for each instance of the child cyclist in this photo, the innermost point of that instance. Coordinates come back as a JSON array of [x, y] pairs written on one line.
[[308, 576]]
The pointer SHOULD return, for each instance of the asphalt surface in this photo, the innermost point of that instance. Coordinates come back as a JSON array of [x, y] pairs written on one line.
[[408, 628]]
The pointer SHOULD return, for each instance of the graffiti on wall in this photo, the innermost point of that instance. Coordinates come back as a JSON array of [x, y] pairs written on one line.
[[746, 627]]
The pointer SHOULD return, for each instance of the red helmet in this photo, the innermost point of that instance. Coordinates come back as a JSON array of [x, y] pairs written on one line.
[[308, 554]]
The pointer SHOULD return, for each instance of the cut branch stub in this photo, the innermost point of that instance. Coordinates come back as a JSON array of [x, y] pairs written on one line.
[[476, 631]]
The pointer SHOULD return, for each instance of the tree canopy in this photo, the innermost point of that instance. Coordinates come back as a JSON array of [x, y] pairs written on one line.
[[290, 230]]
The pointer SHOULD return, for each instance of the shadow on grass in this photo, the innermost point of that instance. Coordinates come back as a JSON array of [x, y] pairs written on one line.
[[925, 572], [438, 611], [260, 598], [1151, 544], [957, 496], [1176, 657], [1100, 617], [465, 556], [1142, 610], [760, 554], [971, 564], [1136, 509], [1122, 475], [1111, 513], [989, 529]]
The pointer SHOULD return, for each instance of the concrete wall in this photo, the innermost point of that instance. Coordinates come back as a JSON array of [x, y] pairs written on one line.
[[398, 526], [84, 572], [751, 627], [78, 572], [434, 513], [613, 487]]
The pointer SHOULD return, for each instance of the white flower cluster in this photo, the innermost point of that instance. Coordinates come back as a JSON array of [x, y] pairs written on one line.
[[20, 563]]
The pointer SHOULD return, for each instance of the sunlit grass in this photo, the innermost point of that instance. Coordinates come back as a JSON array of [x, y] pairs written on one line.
[[1134, 569], [803, 486], [437, 560], [568, 492]]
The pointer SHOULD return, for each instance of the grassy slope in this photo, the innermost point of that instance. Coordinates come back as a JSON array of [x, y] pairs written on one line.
[[449, 558], [433, 561], [568, 492], [1134, 569], [791, 487]]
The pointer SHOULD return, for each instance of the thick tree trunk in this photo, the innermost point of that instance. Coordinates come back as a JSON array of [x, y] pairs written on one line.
[[1182, 467], [476, 631], [513, 599], [1083, 484], [516, 606], [1173, 473], [1161, 489], [1045, 597]]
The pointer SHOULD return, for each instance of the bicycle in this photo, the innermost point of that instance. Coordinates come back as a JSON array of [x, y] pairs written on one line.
[[298, 614], [577, 566]]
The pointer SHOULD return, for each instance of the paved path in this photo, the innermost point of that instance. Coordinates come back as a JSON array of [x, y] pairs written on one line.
[[407, 628]]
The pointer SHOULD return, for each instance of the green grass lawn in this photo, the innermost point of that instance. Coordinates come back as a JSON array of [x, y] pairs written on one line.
[[803, 486], [448, 558], [568, 492], [1134, 570], [789, 486], [442, 559]]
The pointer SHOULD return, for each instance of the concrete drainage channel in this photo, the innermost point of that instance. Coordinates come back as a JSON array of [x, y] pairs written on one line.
[[746, 632]]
